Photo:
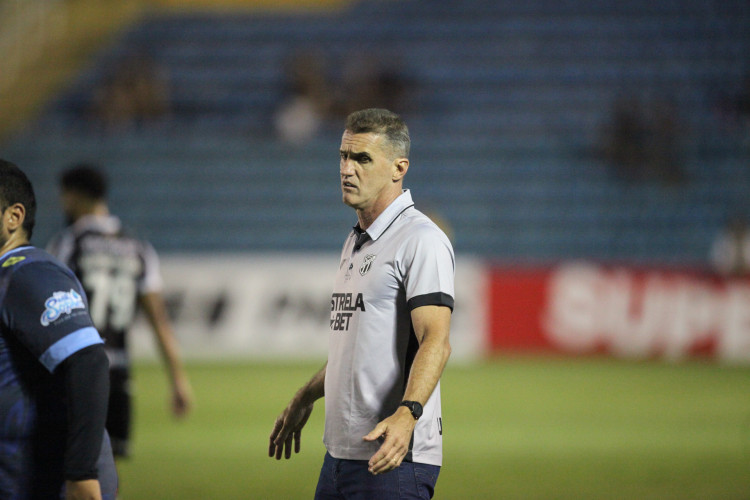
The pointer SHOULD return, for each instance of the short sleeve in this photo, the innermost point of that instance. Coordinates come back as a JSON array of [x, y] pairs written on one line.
[[46, 310], [428, 267]]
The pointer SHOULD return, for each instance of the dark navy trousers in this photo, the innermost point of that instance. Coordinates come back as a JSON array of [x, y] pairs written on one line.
[[350, 480]]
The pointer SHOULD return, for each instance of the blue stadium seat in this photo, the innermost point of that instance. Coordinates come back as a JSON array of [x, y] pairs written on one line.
[[506, 108]]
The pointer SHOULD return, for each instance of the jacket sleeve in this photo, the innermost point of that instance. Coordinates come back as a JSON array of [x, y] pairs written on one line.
[[86, 376]]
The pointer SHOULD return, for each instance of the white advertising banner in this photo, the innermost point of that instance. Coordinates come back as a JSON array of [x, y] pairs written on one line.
[[251, 306]]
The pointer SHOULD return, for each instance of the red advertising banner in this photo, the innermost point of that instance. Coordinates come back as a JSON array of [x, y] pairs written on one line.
[[586, 308]]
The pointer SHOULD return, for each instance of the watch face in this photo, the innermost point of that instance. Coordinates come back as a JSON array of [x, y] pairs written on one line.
[[416, 409]]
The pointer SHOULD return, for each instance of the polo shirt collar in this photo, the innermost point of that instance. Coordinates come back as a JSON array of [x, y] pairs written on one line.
[[385, 219]]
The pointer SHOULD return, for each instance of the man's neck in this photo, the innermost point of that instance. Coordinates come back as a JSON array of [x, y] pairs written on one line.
[[93, 211], [367, 217], [100, 209], [97, 209], [12, 244]]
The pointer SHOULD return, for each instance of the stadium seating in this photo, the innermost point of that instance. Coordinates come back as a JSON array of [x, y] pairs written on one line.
[[506, 105]]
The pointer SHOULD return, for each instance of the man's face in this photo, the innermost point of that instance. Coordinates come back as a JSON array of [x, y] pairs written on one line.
[[367, 170]]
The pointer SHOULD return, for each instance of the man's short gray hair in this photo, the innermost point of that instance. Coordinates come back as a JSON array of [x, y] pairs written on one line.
[[384, 122]]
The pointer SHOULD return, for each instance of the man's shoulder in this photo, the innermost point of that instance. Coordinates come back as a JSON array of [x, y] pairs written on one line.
[[30, 260], [99, 225], [30, 268], [417, 225], [23, 256], [97, 239]]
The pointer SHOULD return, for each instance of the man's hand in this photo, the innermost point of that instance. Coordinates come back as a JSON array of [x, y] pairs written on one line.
[[83, 490], [182, 398], [396, 431], [288, 428]]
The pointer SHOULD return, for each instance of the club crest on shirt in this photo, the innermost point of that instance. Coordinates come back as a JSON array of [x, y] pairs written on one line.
[[61, 303], [366, 264]]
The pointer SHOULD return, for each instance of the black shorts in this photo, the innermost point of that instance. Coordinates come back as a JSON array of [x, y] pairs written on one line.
[[119, 415]]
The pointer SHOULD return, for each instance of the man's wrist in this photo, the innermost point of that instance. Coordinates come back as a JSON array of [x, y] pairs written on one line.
[[414, 407], [305, 397]]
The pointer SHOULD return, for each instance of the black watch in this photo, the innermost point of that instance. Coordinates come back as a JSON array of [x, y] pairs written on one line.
[[414, 407]]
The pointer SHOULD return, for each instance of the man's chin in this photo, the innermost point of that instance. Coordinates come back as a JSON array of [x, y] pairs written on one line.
[[348, 200]]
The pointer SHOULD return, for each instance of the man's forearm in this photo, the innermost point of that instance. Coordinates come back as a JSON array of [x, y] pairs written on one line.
[[170, 354], [156, 313], [314, 389], [426, 369]]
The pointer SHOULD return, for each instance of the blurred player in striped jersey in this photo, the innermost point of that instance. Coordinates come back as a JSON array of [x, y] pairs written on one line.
[[119, 273]]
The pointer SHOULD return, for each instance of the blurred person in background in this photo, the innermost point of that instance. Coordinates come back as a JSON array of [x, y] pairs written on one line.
[[390, 322], [643, 141], [134, 94], [730, 250], [307, 103], [381, 84], [733, 108], [53, 369], [119, 273]]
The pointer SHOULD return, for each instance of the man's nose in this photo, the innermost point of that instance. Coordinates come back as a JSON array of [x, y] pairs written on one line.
[[347, 167]]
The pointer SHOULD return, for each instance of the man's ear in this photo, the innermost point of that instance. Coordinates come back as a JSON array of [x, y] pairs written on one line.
[[400, 166], [14, 216]]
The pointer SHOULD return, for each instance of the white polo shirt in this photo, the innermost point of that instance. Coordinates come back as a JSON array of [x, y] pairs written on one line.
[[403, 261]]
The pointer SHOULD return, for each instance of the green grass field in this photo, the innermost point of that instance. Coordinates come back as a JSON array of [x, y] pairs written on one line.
[[514, 428]]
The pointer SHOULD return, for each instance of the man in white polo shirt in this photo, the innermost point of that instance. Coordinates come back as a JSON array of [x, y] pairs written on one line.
[[390, 322]]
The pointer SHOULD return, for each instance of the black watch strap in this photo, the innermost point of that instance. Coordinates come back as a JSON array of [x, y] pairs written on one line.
[[415, 407]]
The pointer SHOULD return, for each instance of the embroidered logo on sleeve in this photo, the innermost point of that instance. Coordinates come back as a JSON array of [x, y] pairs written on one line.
[[61, 303]]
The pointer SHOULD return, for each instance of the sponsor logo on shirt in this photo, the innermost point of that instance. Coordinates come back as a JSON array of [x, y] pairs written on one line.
[[343, 306], [366, 264], [61, 303], [13, 260]]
